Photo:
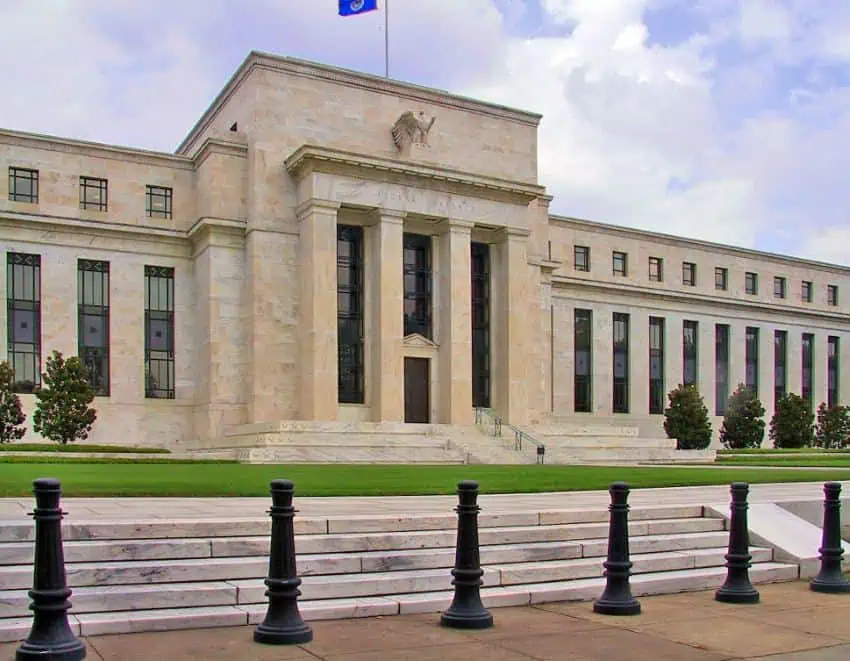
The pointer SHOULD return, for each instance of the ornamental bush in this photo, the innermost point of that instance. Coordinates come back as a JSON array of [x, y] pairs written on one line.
[[793, 423], [686, 419], [833, 428], [743, 424], [11, 414], [62, 412]]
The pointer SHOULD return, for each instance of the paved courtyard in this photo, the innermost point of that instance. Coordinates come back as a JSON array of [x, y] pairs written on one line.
[[791, 624]]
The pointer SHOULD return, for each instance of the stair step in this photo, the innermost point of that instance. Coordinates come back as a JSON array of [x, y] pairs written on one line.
[[371, 454], [139, 620]]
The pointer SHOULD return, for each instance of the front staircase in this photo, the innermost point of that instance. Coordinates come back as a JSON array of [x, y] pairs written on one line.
[[160, 575]]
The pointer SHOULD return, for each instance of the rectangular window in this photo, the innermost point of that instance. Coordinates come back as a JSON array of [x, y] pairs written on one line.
[[689, 274], [721, 278], [93, 322], [583, 359], [23, 185], [656, 365], [480, 324], [780, 365], [690, 341], [582, 258], [93, 193], [806, 291], [832, 295], [349, 302], [721, 368], [751, 283], [23, 318], [808, 367], [833, 367], [752, 360], [620, 263], [656, 269], [417, 284], [779, 287], [621, 363], [159, 332], [158, 201]]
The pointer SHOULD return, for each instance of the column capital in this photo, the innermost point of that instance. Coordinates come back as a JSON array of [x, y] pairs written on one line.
[[313, 205], [515, 233], [456, 226], [389, 216]]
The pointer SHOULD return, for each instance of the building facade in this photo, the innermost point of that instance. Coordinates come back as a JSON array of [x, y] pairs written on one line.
[[330, 246]]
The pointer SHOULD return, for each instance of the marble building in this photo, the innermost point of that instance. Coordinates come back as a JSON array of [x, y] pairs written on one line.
[[336, 247]]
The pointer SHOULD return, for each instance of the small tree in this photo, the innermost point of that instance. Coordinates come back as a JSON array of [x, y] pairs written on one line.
[[743, 426], [62, 412], [11, 414], [686, 419], [793, 423], [833, 428]]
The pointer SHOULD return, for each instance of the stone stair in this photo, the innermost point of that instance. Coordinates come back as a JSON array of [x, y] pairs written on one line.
[[160, 575]]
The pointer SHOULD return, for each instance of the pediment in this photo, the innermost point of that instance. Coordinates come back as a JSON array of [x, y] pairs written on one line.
[[418, 341]]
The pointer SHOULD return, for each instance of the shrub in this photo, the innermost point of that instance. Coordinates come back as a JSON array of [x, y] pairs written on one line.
[[833, 428], [11, 414], [62, 413], [793, 423], [743, 426], [686, 419]]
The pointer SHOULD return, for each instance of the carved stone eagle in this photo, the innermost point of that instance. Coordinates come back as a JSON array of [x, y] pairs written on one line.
[[412, 128]]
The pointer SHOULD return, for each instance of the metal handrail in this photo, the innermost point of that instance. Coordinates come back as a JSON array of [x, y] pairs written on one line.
[[483, 414]]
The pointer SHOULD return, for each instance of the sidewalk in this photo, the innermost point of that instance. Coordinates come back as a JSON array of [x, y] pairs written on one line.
[[791, 624]]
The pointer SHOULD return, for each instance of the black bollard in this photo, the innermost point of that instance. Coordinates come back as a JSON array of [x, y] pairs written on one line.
[[467, 611], [283, 624], [617, 597], [830, 578], [737, 589], [50, 636]]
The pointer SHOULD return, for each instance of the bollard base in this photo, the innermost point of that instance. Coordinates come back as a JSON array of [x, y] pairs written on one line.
[[294, 635], [471, 620], [74, 650], [616, 607], [830, 584], [736, 595]]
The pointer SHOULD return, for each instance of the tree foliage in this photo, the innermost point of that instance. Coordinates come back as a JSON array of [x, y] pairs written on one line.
[[62, 412], [11, 414], [686, 419], [793, 423], [833, 428], [743, 424]]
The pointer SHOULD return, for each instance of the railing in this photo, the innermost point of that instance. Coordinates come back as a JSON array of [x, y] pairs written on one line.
[[491, 423]]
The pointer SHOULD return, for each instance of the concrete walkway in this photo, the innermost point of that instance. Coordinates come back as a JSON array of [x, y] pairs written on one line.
[[791, 624], [137, 509]]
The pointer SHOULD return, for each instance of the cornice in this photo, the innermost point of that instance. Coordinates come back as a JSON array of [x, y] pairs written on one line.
[[560, 281], [93, 149], [219, 146], [309, 158], [213, 224], [315, 204]]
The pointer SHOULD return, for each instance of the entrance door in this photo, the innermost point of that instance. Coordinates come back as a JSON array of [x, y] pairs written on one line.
[[417, 406]]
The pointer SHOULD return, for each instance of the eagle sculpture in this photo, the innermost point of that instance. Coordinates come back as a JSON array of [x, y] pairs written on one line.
[[412, 128]]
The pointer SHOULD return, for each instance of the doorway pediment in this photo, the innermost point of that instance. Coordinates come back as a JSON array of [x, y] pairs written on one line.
[[417, 341]]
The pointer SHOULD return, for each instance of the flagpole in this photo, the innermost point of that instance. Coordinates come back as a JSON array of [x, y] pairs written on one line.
[[386, 38]]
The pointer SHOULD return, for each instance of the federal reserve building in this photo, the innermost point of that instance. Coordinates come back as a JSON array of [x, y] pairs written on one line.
[[335, 266]]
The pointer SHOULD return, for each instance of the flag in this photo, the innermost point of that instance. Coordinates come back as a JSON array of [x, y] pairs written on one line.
[[354, 7]]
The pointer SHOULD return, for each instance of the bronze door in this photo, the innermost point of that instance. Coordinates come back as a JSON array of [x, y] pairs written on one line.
[[417, 405]]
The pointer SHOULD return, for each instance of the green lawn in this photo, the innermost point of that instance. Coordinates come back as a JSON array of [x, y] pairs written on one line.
[[216, 479], [827, 459], [73, 448], [757, 451]]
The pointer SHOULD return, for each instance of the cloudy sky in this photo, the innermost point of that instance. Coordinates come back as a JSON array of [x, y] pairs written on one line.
[[727, 120]]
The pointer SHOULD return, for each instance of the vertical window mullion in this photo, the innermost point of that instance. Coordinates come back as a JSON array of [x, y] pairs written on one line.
[[24, 322]]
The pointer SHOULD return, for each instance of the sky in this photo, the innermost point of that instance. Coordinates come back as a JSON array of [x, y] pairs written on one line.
[[722, 120]]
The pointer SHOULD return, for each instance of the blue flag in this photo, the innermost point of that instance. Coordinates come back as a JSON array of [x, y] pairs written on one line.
[[354, 7]]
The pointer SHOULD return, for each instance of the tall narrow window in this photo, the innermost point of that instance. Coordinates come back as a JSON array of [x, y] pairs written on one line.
[[779, 287], [656, 365], [751, 283], [158, 201], [480, 324], [808, 367], [417, 284], [93, 322], [620, 260], [349, 297], [721, 368], [806, 291], [780, 365], [656, 269], [94, 193], [621, 363], [159, 332], [583, 359], [721, 278], [752, 360], [582, 258], [832, 295], [23, 185], [689, 274], [833, 367], [23, 316], [690, 340]]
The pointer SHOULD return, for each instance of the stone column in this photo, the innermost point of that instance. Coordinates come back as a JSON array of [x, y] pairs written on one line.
[[317, 311], [820, 378], [706, 364], [388, 317], [673, 361], [455, 339], [737, 354], [563, 373], [603, 359], [844, 369], [767, 377], [638, 362], [794, 369]]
